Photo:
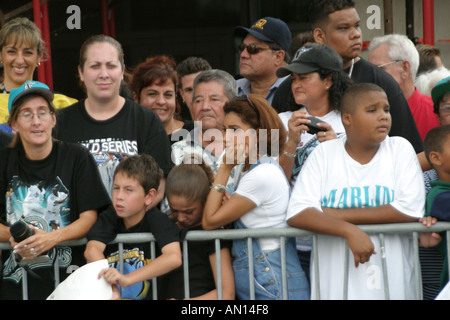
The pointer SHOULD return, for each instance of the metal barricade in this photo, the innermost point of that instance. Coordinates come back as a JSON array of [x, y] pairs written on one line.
[[250, 234]]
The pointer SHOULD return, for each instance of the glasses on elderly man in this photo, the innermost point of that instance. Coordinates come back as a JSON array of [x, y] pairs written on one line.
[[384, 65]]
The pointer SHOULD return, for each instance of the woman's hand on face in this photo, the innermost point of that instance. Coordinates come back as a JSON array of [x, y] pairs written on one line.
[[235, 154]]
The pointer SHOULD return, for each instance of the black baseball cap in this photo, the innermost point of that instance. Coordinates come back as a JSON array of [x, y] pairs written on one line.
[[268, 29], [312, 57]]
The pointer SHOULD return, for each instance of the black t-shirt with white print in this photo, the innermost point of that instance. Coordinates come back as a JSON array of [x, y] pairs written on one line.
[[133, 130], [49, 194]]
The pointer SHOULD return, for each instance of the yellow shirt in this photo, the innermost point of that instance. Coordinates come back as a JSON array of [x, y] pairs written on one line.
[[59, 100]]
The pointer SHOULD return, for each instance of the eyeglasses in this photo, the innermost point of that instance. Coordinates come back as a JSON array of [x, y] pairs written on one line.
[[43, 115], [251, 48], [445, 109], [382, 66]]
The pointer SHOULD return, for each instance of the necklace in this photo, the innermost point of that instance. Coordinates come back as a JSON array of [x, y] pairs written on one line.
[[2, 88], [351, 68]]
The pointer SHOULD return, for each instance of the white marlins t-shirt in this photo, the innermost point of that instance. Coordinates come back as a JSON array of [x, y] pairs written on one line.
[[331, 178], [308, 142]]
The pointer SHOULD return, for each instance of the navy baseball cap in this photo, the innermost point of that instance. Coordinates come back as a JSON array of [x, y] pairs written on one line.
[[270, 30], [439, 90], [312, 57], [29, 87]]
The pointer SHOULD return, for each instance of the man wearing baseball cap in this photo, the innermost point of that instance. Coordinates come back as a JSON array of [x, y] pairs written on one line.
[[262, 52]]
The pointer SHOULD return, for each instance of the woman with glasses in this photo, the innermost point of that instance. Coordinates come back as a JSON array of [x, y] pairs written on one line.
[[21, 51], [51, 186], [254, 134]]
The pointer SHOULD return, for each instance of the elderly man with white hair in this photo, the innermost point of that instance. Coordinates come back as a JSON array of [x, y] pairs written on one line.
[[398, 56]]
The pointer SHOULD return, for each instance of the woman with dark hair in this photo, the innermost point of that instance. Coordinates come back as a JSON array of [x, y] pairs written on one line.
[[254, 134], [317, 87], [154, 86]]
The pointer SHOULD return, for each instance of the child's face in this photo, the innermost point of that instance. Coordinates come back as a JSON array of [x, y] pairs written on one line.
[[441, 160], [444, 110], [371, 120], [188, 213], [129, 198]]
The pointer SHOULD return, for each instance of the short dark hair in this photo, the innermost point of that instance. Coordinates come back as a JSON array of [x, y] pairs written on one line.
[[143, 168], [319, 10], [427, 54], [354, 92], [300, 40], [435, 140], [191, 65]]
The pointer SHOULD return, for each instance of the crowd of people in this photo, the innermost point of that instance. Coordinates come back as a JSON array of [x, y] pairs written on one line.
[[311, 136]]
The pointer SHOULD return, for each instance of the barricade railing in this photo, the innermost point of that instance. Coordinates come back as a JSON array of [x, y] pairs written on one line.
[[249, 234]]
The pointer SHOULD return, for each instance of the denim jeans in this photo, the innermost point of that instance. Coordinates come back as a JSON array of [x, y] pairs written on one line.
[[267, 271]]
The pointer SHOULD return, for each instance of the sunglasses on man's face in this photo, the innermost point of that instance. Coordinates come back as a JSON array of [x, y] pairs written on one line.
[[252, 48]]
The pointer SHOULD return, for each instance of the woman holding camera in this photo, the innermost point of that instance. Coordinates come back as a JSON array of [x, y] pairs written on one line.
[[317, 87], [52, 186]]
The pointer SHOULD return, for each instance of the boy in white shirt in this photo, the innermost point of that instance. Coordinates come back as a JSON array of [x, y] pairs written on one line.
[[365, 178]]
